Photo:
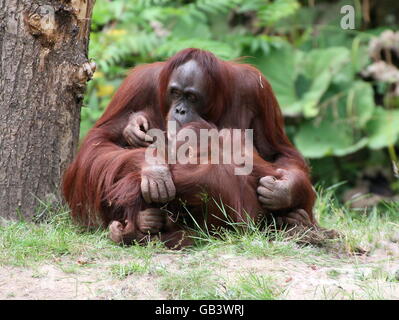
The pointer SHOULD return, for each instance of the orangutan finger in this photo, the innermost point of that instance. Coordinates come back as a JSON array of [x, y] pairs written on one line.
[[115, 231], [140, 124], [171, 189], [296, 217], [163, 194], [142, 121], [129, 136], [145, 189], [267, 180], [290, 221], [305, 216], [135, 141], [154, 194], [270, 204], [265, 192]]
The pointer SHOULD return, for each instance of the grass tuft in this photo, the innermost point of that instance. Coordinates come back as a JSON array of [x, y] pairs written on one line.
[[212, 268]]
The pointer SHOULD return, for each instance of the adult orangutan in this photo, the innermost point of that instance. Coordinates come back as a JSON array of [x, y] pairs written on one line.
[[111, 183]]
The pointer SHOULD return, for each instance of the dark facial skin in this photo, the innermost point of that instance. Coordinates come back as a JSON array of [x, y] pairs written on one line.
[[186, 93], [186, 98]]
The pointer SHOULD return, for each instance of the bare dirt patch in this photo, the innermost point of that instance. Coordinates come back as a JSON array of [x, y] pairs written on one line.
[[365, 277]]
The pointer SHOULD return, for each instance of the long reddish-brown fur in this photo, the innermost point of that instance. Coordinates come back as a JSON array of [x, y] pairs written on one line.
[[103, 182]]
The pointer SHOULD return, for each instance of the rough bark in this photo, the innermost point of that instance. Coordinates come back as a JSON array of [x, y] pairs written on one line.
[[43, 73]]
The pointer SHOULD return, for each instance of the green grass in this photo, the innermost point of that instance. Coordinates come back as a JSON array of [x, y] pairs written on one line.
[[192, 283], [334, 274], [205, 285], [124, 270], [201, 272], [363, 228], [25, 243], [256, 287]]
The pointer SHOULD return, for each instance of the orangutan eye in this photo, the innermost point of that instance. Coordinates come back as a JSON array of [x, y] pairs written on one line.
[[191, 97], [175, 93]]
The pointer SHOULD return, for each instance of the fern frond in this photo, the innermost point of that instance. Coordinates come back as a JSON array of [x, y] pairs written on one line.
[[220, 49], [274, 11]]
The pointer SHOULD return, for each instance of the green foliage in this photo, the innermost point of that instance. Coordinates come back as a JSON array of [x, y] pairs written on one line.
[[271, 12], [126, 33], [122, 271], [384, 128], [312, 64]]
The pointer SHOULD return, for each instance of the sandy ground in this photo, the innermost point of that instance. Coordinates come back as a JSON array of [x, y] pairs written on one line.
[[327, 279]]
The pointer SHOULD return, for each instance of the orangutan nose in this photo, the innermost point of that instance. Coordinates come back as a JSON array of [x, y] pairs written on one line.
[[180, 110]]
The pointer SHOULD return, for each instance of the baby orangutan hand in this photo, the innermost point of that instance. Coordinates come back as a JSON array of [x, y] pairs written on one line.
[[151, 220]]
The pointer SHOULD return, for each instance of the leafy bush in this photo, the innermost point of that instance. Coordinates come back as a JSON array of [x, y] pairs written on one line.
[[313, 65]]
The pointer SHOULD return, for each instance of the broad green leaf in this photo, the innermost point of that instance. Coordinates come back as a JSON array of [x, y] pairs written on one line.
[[326, 139], [312, 97], [321, 65], [320, 60], [351, 149], [359, 55], [279, 68], [360, 103], [383, 128], [345, 77]]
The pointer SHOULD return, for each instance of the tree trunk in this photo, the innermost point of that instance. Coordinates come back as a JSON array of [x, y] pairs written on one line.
[[43, 73]]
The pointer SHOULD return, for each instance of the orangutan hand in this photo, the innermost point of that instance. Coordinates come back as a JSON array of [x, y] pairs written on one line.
[[157, 184], [277, 194], [135, 133], [151, 220]]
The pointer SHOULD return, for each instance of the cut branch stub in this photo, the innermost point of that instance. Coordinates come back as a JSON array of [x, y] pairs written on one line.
[[85, 72]]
